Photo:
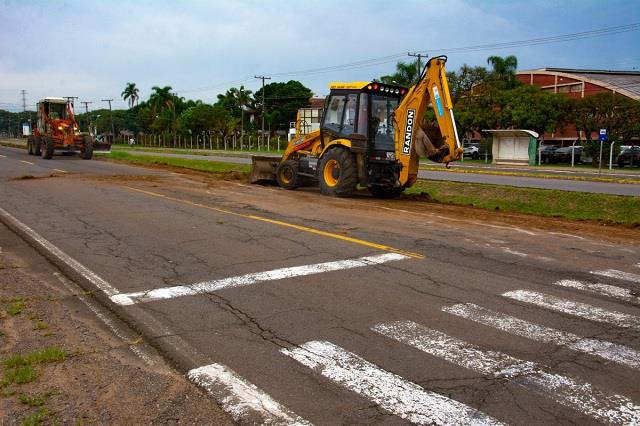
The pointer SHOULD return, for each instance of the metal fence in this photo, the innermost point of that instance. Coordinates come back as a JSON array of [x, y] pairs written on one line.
[[209, 142]]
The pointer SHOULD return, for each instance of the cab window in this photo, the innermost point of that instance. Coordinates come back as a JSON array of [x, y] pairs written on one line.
[[335, 108]]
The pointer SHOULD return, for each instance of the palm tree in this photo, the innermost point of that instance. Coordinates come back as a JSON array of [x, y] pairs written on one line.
[[503, 67], [161, 98], [243, 97], [131, 93], [406, 74]]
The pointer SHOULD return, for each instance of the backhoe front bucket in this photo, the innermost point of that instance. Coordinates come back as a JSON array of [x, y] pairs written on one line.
[[263, 168]]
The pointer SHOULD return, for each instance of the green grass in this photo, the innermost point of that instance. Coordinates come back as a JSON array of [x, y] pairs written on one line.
[[612, 209], [20, 369], [201, 165], [37, 400], [40, 325], [616, 209], [36, 418], [16, 307]]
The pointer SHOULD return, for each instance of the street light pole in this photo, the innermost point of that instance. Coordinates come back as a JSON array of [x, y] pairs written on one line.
[[264, 107]]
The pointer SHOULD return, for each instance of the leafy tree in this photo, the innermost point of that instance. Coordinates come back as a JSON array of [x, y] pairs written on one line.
[[204, 118], [503, 73], [529, 107], [464, 81], [283, 101], [131, 93], [406, 74], [616, 113]]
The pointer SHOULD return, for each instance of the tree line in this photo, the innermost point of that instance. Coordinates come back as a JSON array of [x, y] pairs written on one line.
[[167, 112]]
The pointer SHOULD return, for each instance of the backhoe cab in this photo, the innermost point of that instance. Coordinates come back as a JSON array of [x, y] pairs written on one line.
[[371, 134]]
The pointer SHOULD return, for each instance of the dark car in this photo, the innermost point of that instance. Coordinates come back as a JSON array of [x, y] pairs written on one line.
[[563, 155], [630, 156], [546, 153]]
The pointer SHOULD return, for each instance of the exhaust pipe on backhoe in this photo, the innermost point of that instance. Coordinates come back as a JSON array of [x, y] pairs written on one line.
[[263, 168]]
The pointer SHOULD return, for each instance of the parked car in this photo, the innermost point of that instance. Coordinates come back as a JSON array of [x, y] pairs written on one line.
[[630, 156], [546, 153], [471, 150], [563, 155]]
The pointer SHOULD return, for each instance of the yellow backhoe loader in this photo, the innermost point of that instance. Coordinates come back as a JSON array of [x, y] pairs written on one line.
[[372, 135]]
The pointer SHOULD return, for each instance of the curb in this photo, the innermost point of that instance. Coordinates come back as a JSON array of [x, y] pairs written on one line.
[[173, 348]]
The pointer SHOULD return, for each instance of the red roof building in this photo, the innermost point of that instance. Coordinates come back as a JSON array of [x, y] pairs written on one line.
[[578, 83]]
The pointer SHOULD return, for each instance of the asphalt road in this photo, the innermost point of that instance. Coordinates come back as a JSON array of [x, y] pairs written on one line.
[[526, 182], [344, 311]]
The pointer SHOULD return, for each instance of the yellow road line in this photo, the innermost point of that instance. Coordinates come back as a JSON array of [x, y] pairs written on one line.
[[286, 224], [27, 162], [61, 171]]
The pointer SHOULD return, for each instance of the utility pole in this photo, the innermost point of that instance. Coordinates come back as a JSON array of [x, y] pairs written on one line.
[[86, 108], [113, 129], [86, 105], [70, 100], [419, 56], [173, 103], [264, 107], [24, 100]]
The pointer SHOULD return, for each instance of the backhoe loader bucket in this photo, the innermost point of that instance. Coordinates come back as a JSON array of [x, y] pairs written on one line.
[[263, 168]]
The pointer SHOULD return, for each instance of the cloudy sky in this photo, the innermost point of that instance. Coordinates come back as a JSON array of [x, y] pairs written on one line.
[[91, 49]]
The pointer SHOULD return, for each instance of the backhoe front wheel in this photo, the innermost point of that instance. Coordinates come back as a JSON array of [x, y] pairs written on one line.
[[338, 174], [287, 174]]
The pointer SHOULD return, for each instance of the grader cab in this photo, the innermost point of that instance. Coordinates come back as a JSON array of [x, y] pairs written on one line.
[[58, 131]]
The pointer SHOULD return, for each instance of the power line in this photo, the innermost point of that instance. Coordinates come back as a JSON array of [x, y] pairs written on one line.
[[365, 63]]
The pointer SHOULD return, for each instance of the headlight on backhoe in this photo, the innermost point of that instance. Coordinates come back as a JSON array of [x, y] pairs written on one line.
[[60, 127]]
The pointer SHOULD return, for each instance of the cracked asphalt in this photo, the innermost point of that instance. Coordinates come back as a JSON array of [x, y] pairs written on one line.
[[96, 212]]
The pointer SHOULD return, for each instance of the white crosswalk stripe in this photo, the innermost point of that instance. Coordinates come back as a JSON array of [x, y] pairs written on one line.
[[582, 396], [601, 289], [241, 399], [578, 309], [396, 395], [603, 349], [252, 279], [619, 275]]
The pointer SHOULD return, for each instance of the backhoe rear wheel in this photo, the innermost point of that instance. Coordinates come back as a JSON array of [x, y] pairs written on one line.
[[338, 174], [47, 149], [87, 148], [287, 174]]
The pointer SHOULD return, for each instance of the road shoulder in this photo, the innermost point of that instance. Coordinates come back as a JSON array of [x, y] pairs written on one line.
[[66, 359]]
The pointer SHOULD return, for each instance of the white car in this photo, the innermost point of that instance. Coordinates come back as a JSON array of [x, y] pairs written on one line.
[[471, 150]]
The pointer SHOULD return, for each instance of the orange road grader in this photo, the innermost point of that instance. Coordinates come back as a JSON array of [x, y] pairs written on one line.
[[371, 135], [57, 131]]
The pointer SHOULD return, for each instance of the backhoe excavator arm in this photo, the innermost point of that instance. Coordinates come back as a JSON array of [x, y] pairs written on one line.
[[416, 136]]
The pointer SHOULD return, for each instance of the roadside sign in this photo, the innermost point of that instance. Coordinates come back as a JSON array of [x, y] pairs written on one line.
[[603, 134]]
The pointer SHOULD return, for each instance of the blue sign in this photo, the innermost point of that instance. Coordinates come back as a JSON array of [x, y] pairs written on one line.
[[603, 134]]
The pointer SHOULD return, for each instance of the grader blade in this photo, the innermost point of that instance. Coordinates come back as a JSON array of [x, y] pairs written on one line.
[[263, 168]]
